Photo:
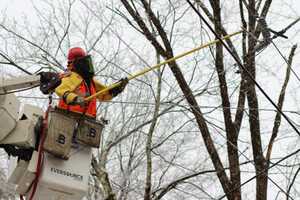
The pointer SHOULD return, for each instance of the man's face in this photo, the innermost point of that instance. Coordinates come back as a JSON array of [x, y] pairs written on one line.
[[70, 65]]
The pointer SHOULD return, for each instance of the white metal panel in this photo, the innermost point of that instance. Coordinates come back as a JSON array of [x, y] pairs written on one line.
[[15, 170], [28, 176], [7, 123], [65, 179], [9, 113], [32, 112], [23, 135], [19, 83]]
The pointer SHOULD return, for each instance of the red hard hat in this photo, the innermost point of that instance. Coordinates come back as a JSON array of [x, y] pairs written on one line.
[[75, 52]]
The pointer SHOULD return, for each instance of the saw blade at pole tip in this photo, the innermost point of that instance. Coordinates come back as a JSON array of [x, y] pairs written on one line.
[[163, 63]]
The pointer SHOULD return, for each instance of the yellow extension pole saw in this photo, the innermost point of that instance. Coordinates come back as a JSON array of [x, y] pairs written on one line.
[[161, 64]]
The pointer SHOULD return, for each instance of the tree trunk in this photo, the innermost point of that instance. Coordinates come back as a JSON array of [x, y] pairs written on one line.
[[259, 159], [231, 132]]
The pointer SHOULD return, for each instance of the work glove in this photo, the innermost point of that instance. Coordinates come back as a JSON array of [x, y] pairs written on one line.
[[118, 89], [79, 101], [49, 81]]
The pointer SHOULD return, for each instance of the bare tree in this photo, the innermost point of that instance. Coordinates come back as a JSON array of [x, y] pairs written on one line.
[[194, 129]]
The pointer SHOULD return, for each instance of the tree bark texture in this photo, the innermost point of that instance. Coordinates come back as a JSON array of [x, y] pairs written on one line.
[[231, 133], [102, 176], [254, 120]]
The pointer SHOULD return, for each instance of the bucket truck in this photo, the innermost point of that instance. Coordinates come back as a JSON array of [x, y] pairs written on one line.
[[59, 179]]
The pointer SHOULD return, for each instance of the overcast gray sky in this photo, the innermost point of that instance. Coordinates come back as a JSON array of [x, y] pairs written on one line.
[[19, 7], [16, 8]]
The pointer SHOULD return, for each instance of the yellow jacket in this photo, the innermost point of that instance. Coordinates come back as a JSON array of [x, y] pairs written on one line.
[[71, 82]]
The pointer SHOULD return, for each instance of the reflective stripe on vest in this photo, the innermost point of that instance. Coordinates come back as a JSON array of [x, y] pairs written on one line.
[[90, 109]]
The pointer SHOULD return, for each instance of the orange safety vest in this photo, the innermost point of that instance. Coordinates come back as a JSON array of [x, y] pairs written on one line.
[[90, 109]]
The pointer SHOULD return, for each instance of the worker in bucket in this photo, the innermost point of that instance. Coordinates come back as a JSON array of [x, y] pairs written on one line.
[[79, 83]]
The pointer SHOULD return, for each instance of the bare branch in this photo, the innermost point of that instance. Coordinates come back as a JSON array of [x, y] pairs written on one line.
[[10, 62], [281, 98], [56, 63]]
